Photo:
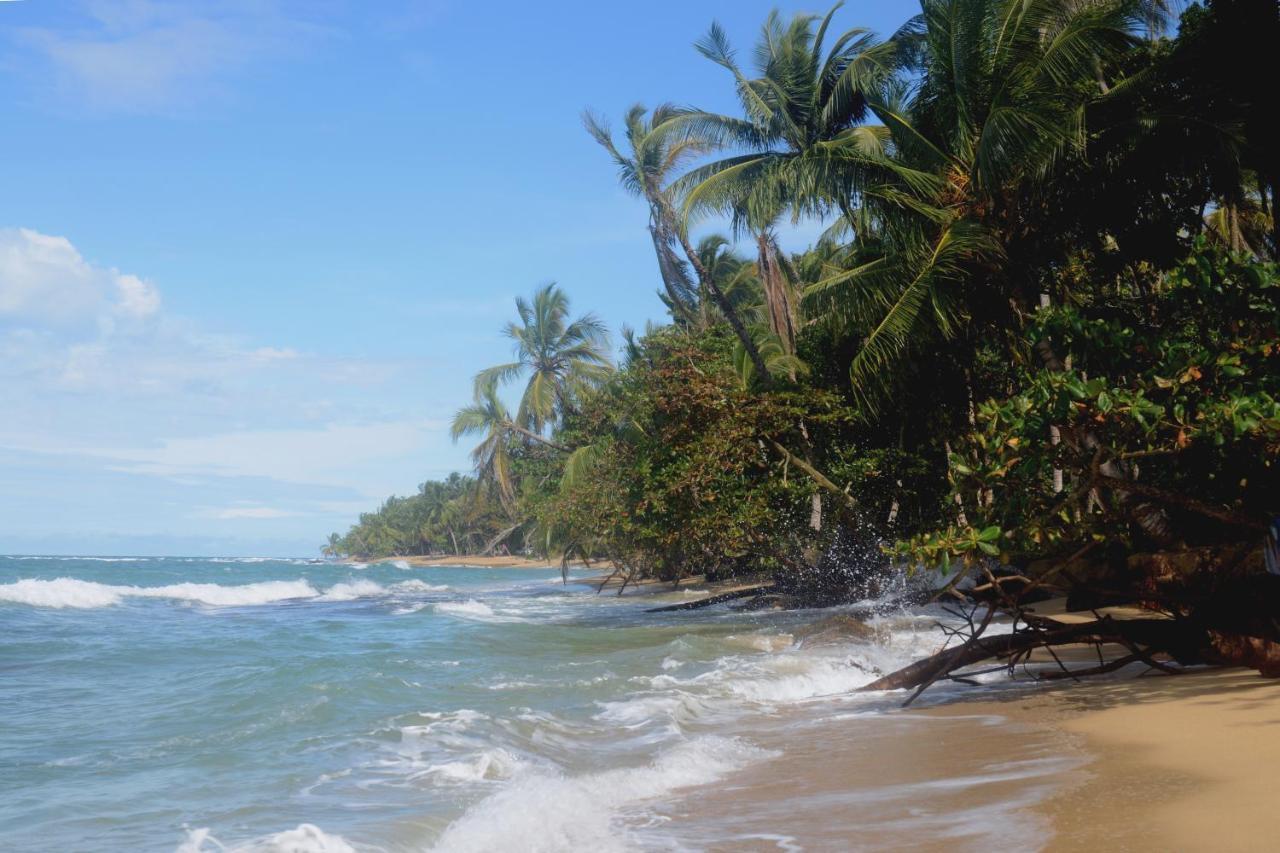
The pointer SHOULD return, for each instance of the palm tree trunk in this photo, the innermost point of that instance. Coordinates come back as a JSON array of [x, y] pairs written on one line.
[[530, 434], [777, 293], [727, 309], [1055, 434], [668, 269], [663, 207]]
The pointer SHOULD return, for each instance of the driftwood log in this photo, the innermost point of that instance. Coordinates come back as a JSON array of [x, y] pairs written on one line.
[[699, 603]]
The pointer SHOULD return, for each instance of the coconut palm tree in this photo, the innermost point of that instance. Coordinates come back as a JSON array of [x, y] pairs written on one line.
[[660, 145], [804, 114], [734, 277], [1243, 224], [488, 415], [998, 108], [658, 148], [563, 360]]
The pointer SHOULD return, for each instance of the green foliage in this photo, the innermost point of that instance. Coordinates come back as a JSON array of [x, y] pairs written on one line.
[[1177, 391], [1023, 334], [680, 474], [452, 516]]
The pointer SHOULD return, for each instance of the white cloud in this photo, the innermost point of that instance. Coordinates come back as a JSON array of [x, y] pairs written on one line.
[[326, 456], [274, 354], [98, 377], [44, 280], [292, 455], [72, 325], [137, 299], [149, 55]]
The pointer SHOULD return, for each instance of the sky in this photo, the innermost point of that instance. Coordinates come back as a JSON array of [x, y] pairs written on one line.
[[253, 251]]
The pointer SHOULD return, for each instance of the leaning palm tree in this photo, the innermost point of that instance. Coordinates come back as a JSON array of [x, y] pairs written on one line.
[[803, 117], [660, 145], [658, 148], [562, 359]]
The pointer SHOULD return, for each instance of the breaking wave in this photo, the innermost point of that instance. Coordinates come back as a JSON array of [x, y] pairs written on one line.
[[60, 593]]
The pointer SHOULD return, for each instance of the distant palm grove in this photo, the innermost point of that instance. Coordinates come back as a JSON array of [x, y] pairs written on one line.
[[1040, 328]]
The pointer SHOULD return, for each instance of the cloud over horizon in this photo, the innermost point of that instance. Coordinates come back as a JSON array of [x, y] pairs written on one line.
[[227, 432]]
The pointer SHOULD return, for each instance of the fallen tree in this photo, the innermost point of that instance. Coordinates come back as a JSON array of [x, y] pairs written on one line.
[[1234, 624]]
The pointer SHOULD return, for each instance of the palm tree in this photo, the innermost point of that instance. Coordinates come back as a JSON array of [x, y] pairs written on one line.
[[564, 360], [803, 115], [488, 415], [999, 106], [660, 145], [733, 276], [658, 148], [1243, 224]]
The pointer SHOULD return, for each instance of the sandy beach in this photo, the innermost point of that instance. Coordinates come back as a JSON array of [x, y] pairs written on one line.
[[1178, 763]]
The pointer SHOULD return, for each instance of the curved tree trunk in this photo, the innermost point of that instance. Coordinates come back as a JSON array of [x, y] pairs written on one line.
[[726, 308], [674, 279]]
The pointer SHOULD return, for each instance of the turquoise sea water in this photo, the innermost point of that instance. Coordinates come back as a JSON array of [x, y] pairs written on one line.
[[197, 704]]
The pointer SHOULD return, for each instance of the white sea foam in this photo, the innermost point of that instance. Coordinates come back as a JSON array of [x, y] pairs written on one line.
[[61, 592], [62, 559], [784, 675], [82, 594], [469, 609], [487, 765], [438, 721], [418, 586], [539, 811], [402, 564], [353, 590], [307, 838], [70, 592]]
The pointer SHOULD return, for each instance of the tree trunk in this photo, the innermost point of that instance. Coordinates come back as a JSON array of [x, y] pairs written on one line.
[[669, 269], [1055, 435], [777, 292], [727, 309], [845, 505], [534, 436]]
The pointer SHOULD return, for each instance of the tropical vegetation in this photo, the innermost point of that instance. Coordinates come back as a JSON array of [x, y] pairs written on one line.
[[1038, 341]]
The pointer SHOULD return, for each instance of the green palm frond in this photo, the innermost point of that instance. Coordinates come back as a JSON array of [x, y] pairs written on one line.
[[917, 300]]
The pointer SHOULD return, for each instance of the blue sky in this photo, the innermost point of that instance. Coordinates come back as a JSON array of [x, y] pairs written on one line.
[[252, 251]]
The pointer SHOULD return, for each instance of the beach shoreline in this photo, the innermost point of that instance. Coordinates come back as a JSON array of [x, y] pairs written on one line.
[[1186, 762], [475, 562]]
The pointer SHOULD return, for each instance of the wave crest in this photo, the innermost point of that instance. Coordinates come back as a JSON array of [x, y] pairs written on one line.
[[63, 593]]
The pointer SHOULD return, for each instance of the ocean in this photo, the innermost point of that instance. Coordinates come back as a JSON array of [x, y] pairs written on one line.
[[194, 705]]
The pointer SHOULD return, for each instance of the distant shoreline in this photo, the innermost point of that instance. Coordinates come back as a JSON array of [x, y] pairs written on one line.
[[477, 562]]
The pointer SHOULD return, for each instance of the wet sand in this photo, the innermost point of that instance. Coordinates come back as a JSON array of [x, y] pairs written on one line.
[[883, 782], [1129, 763], [1174, 763]]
